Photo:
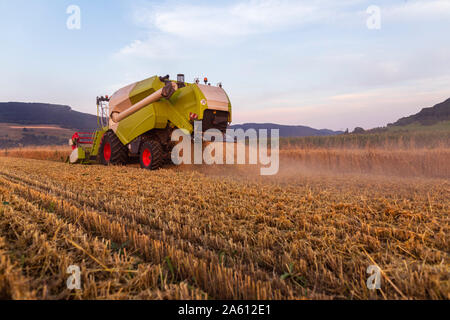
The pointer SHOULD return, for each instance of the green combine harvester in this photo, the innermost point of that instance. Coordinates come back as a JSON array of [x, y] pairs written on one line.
[[136, 122]]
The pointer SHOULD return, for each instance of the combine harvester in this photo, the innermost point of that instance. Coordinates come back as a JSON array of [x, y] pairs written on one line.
[[137, 121]]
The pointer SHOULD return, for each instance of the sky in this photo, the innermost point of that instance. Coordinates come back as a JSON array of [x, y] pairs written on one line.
[[321, 63]]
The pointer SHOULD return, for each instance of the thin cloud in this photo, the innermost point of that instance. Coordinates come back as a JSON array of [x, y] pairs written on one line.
[[155, 47], [418, 10], [173, 26], [237, 20]]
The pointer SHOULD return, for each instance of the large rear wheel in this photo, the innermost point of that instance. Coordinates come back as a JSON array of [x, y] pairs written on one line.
[[112, 151], [151, 155]]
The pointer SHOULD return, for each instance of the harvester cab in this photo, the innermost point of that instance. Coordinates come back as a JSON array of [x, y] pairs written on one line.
[[136, 122]]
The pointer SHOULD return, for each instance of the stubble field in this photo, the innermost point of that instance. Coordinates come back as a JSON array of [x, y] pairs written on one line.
[[190, 232]]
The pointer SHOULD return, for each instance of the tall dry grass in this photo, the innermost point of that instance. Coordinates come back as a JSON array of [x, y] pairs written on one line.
[[51, 153], [399, 140], [420, 162], [411, 162]]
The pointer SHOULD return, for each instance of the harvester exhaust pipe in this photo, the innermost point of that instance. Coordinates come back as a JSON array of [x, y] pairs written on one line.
[[165, 92]]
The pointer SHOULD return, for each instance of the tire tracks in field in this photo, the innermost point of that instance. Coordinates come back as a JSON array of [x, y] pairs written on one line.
[[174, 226], [241, 257], [217, 280], [29, 234]]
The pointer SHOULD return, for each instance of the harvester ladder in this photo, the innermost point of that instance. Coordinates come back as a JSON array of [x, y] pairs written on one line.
[[102, 113]]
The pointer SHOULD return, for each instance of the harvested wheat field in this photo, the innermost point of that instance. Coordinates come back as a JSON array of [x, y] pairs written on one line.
[[224, 233]]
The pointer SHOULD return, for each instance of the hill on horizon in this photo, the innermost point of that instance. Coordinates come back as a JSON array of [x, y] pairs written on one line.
[[46, 114], [427, 116], [288, 130]]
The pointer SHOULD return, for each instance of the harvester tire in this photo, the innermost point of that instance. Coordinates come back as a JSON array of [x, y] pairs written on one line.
[[112, 151], [151, 155]]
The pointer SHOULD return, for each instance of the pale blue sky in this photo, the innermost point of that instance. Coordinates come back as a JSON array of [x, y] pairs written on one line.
[[287, 61]]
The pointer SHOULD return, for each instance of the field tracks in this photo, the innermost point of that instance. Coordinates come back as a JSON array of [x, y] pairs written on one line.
[[111, 227], [174, 233]]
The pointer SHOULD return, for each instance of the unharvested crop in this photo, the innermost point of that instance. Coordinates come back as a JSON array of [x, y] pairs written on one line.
[[54, 153]]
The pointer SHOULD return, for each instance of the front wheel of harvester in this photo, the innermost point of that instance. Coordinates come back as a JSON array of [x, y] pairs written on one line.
[[151, 155], [112, 151]]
